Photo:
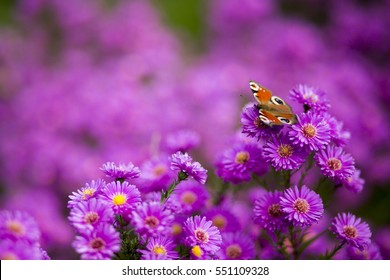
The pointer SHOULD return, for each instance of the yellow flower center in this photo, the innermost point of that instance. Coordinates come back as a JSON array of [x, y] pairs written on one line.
[[189, 197], [301, 205], [119, 199], [233, 251], [334, 164], [9, 256], [309, 131], [159, 250], [88, 192], [16, 227], [242, 157], [177, 229], [159, 170], [219, 221], [285, 150], [197, 251], [350, 231]]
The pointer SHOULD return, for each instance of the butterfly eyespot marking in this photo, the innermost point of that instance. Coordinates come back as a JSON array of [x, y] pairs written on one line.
[[265, 120], [254, 86], [284, 120], [277, 100]]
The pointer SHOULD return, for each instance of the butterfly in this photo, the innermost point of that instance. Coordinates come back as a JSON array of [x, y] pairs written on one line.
[[273, 110]]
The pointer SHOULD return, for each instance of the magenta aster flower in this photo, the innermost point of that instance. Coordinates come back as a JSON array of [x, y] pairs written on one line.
[[223, 219], [200, 232], [190, 196], [310, 131], [156, 175], [19, 250], [301, 206], [252, 126], [236, 246], [354, 183], [237, 163], [339, 136], [310, 97], [90, 190], [181, 141], [87, 215], [151, 219], [372, 252], [183, 163], [351, 230], [122, 197], [99, 244], [335, 163], [268, 211], [281, 153], [121, 172], [19, 225], [159, 246]]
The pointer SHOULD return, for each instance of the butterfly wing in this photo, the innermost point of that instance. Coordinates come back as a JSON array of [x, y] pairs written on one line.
[[261, 94], [273, 110]]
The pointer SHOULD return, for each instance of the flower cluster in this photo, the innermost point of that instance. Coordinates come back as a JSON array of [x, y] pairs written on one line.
[[169, 213], [20, 237]]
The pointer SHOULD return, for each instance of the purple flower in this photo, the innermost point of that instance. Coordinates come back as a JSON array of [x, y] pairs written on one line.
[[161, 247], [351, 230], [99, 244], [151, 219], [339, 136], [236, 246], [122, 197], [311, 98], [90, 190], [19, 250], [268, 211], [301, 206], [19, 225], [237, 163], [335, 163], [200, 232], [223, 219], [181, 141], [372, 252], [310, 131], [190, 196], [183, 163], [354, 183], [87, 215], [121, 172], [252, 126], [283, 154], [156, 175]]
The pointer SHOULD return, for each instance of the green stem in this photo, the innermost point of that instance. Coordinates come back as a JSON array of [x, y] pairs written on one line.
[[181, 176], [309, 165], [331, 254], [287, 178]]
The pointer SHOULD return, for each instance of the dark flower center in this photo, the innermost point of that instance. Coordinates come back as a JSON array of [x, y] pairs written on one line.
[[285, 150], [242, 157], [91, 218], [201, 235], [309, 131], [274, 210], [301, 206], [151, 221], [98, 243], [189, 197], [219, 221], [334, 164], [350, 231], [258, 123], [233, 251]]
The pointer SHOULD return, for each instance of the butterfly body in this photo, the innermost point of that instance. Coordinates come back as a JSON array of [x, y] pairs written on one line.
[[272, 109]]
